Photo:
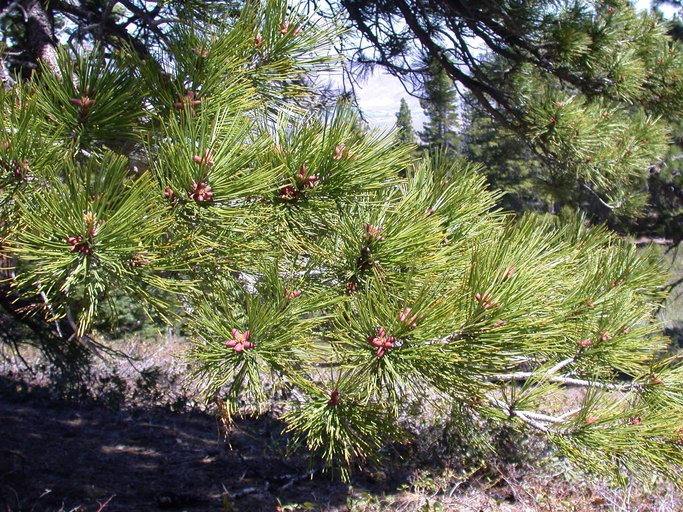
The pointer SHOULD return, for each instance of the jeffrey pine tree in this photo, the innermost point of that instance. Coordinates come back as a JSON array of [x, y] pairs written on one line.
[[199, 183]]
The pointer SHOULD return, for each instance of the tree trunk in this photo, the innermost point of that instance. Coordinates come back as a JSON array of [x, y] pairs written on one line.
[[40, 34]]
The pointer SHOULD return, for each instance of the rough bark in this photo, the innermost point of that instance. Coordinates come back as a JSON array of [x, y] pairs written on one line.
[[40, 34]]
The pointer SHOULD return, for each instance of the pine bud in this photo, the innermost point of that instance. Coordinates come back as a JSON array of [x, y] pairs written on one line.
[[168, 192], [187, 100], [288, 193], [292, 295], [304, 179], [205, 160], [20, 169], [341, 152], [604, 335], [592, 419], [372, 232], [258, 40], [201, 192], [408, 319], [137, 261], [485, 301], [78, 244], [201, 52], [91, 225], [84, 103], [584, 343], [240, 341], [382, 341], [334, 398], [656, 380], [510, 272]]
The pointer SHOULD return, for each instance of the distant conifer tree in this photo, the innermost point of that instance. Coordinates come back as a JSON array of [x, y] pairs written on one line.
[[404, 124], [439, 102]]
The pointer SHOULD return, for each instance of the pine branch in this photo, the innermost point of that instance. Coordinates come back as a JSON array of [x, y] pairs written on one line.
[[527, 418], [106, 26], [146, 17], [565, 380]]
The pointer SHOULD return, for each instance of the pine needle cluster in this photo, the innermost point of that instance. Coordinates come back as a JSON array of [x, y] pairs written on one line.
[[304, 262]]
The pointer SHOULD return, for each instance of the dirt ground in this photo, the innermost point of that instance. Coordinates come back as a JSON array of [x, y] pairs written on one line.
[[137, 444], [61, 455]]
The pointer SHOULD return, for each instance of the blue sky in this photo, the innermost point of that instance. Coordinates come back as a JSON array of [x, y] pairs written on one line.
[[380, 98]]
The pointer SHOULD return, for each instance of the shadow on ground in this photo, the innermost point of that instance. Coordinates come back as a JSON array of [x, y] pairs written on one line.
[[60, 455]]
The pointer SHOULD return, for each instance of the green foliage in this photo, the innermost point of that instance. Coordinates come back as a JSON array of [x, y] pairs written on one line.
[[589, 85], [604, 130], [404, 124], [86, 233], [439, 104], [272, 331], [508, 163], [311, 255], [100, 106]]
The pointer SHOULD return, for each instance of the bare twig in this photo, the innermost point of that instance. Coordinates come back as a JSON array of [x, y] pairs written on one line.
[[569, 381], [561, 365], [602, 201], [104, 505], [522, 415], [297, 478]]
